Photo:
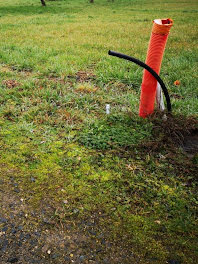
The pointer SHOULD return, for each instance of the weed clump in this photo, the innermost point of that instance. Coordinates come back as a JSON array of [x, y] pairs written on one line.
[[114, 132]]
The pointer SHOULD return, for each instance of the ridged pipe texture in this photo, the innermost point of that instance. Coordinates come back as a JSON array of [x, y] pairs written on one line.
[[157, 44]]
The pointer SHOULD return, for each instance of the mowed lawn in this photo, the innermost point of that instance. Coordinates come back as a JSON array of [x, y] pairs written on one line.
[[56, 78]]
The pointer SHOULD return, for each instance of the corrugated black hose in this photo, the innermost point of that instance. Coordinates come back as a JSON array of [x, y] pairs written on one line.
[[145, 66]]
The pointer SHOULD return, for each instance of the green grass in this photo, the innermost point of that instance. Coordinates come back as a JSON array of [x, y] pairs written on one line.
[[53, 125]]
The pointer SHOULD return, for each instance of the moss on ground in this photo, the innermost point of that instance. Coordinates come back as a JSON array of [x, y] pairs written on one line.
[[147, 196], [130, 175]]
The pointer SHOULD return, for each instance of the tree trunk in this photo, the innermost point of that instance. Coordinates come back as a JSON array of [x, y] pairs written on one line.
[[43, 3], [91, 1]]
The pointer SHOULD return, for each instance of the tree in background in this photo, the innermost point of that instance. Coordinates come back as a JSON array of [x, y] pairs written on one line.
[[43, 3], [92, 1]]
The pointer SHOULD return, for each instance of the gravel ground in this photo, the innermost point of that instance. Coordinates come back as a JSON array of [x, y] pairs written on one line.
[[29, 236]]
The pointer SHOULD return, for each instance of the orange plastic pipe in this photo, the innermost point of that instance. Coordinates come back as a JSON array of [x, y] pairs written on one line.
[[159, 36]]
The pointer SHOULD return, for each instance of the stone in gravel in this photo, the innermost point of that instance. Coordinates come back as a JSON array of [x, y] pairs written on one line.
[[13, 230], [92, 232], [109, 244], [21, 214], [101, 236], [19, 244], [82, 258], [45, 248], [33, 242], [16, 190], [67, 258], [47, 221], [32, 179], [37, 234], [103, 241], [3, 220], [11, 216], [55, 256], [27, 236], [172, 261], [13, 260], [76, 211], [90, 224], [33, 261], [153, 259], [4, 245], [20, 227], [98, 250], [21, 237], [4, 229]]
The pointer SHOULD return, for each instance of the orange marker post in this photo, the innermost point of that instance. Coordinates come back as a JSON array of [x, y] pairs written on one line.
[[159, 36]]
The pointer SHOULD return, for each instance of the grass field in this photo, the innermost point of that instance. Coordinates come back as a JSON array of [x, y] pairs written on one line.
[[56, 78]]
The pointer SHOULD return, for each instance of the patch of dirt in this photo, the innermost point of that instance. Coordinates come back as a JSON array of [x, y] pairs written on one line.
[[177, 96], [9, 69], [178, 133], [82, 76], [10, 83], [57, 79], [171, 133], [190, 143]]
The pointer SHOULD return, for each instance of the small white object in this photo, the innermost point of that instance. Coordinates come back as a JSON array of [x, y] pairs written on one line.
[[160, 101], [107, 109], [49, 251], [159, 98], [164, 117]]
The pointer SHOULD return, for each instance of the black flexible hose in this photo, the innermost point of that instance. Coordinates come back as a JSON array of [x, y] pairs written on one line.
[[145, 66]]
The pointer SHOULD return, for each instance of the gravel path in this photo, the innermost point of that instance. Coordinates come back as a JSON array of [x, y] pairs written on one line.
[[29, 236]]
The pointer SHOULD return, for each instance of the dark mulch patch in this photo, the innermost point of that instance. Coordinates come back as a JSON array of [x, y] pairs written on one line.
[[170, 133]]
